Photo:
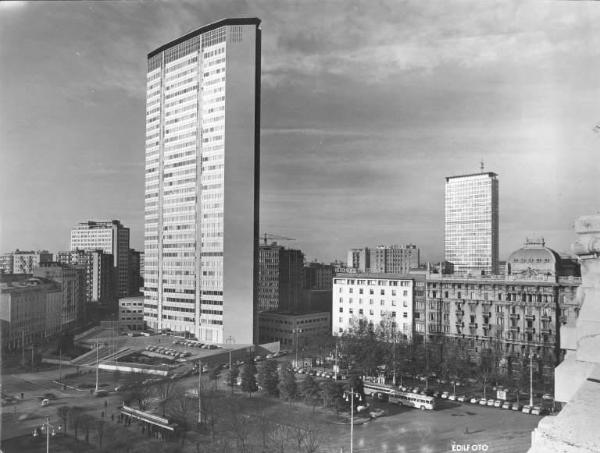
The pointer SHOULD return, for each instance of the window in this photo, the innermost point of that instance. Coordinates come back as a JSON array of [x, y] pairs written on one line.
[[405, 304], [341, 309], [360, 311], [383, 292], [360, 291], [350, 311], [405, 315]]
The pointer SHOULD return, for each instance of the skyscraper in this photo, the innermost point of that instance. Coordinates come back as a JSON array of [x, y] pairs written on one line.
[[202, 183], [110, 237], [471, 226]]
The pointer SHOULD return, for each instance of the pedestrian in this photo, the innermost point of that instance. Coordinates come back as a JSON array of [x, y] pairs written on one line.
[[112, 417], [105, 404]]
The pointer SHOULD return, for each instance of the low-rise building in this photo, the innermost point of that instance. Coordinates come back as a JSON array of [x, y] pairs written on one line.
[[131, 313], [291, 329], [24, 262], [384, 300], [30, 310]]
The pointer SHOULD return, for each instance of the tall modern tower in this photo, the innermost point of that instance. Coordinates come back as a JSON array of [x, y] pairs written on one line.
[[202, 183], [471, 240]]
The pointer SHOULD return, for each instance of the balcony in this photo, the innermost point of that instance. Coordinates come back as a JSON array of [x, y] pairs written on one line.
[[473, 325], [514, 328], [460, 312], [460, 324], [485, 325], [529, 316], [529, 330], [546, 318], [545, 331], [516, 316]]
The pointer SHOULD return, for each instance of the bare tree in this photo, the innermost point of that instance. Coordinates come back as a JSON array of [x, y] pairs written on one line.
[[99, 425]]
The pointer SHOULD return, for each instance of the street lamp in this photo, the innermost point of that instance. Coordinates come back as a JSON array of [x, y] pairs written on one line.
[[350, 396], [230, 340], [46, 427], [531, 354]]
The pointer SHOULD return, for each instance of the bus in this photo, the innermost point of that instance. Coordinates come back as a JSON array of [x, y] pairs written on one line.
[[402, 398]]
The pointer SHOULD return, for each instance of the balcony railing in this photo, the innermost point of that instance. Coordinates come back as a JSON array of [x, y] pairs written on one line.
[[473, 325], [546, 331], [546, 318], [530, 316], [460, 312], [514, 328], [515, 316], [529, 329]]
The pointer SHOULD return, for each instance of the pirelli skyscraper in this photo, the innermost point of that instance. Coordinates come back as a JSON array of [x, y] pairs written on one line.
[[202, 183]]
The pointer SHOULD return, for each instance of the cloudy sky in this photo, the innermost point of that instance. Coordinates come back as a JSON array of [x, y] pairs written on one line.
[[366, 107]]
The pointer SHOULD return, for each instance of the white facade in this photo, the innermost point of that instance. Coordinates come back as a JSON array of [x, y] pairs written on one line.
[[375, 298], [471, 222], [202, 175]]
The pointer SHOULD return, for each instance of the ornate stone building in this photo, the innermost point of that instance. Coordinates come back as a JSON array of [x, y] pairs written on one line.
[[515, 314]]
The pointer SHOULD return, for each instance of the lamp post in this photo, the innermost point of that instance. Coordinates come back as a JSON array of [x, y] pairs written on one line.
[[531, 379], [46, 427], [296, 332], [350, 395], [199, 392], [230, 340]]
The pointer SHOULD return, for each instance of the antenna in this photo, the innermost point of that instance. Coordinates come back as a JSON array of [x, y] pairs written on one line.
[[482, 166]]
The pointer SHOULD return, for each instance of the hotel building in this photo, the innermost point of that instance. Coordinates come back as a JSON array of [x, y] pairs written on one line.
[[202, 183], [471, 223]]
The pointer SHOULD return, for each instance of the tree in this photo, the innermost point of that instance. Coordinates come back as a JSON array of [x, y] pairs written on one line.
[[249, 379], [311, 391], [232, 376], [99, 425], [75, 418], [267, 377], [331, 392], [213, 375], [87, 423], [288, 389]]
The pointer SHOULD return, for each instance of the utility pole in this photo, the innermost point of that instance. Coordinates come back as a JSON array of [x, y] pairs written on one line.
[[23, 346], [32, 346], [60, 366], [97, 362], [199, 393]]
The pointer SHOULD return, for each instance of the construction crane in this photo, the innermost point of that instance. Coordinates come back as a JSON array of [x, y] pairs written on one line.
[[267, 236]]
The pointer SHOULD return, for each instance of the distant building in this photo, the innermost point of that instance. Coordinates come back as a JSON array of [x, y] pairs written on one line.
[[385, 301], [516, 313], [72, 284], [131, 313], [110, 237], [100, 275], [6, 263], [30, 310], [292, 329], [280, 278], [25, 262], [471, 223], [136, 281], [318, 276], [393, 259], [359, 259]]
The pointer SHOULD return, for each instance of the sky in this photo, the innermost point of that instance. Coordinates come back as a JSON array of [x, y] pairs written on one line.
[[366, 107]]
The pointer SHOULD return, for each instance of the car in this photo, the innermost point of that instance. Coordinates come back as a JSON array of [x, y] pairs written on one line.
[[526, 409], [547, 396], [461, 398], [474, 400], [269, 356], [437, 394], [452, 397], [415, 390], [482, 402], [445, 395], [498, 403], [490, 402], [506, 405], [100, 393], [45, 402], [516, 407], [537, 410]]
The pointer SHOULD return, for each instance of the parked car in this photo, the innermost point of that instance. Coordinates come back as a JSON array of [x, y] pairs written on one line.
[[516, 407], [536, 410], [526, 409], [490, 402], [437, 394], [474, 400], [445, 395], [547, 396], [461, 398], [45, 402], [452, 397], [506, 405], [482, 401], [498, 403]]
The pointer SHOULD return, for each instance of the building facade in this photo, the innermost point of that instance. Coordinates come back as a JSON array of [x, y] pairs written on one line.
[[383, 259], [30, 310], [131, 313], [471, 223], [515, 315], [280, 278], [110, 237], [136, 281], [6, 263], [25, 262], [202, 183], [72, 284], [292, 329], [318, 276], [383, 300], [359, 259], [100, 275]]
